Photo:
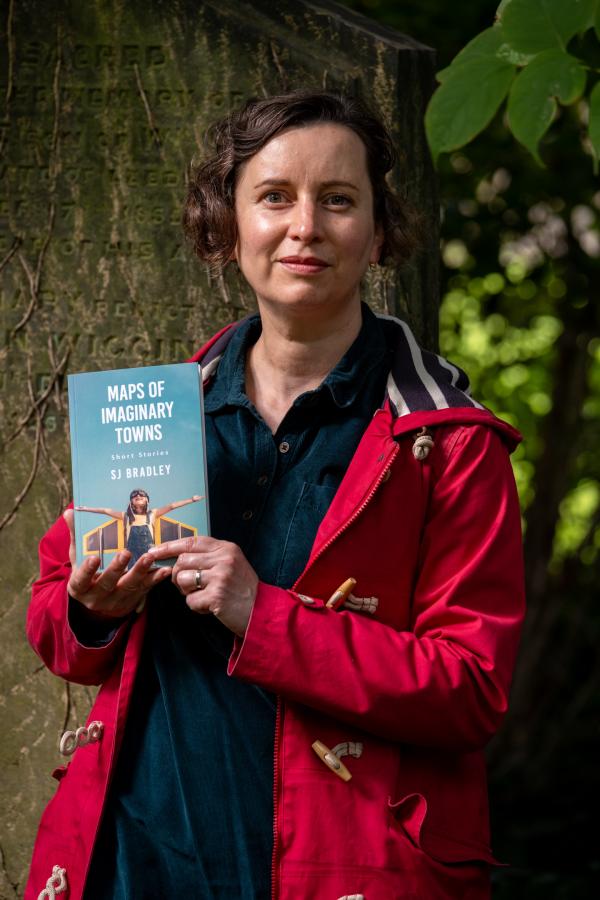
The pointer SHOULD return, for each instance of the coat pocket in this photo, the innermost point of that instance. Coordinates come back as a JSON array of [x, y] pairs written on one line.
[[409, 816]]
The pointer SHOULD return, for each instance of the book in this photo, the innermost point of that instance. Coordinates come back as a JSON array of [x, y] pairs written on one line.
[[138, 459]]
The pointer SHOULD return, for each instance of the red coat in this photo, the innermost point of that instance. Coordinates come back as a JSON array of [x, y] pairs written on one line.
[[408, 694]]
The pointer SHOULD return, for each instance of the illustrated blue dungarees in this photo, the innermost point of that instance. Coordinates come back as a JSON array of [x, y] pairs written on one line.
[[139, 537]]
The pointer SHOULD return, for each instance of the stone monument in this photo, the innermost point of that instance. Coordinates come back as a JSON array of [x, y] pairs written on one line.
[[102, 107]]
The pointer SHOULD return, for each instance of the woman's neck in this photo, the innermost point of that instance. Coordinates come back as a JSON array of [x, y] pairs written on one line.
[[291, 358]]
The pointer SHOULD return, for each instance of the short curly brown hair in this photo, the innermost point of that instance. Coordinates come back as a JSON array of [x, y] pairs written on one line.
[[209, 212]]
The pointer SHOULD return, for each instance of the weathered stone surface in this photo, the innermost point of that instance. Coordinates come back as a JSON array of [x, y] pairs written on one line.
[[104, 105]]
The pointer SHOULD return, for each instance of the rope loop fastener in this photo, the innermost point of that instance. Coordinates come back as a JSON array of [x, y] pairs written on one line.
[[422, 444], [56, 884], [85, 734], [362, 604]]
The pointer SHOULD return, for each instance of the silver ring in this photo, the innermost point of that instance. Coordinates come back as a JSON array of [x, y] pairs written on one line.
[[198, 579]]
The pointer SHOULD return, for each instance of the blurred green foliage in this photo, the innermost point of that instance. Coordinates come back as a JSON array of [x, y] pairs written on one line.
[[510, 365], [520, 313]]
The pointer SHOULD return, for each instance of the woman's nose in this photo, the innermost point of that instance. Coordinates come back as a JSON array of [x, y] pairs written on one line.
[[305, 224]]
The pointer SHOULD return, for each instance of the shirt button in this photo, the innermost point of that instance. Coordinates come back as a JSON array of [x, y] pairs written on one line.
[[284, 447], [262, 480], [247, 514]]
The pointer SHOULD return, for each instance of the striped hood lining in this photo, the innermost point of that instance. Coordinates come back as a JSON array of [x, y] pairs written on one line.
[[419, 381]]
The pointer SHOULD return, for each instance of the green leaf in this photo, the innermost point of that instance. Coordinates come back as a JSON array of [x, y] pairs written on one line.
[[594, 124], [593, 15], [485, 45], [597, 21], [465, 102], [531, 26], [502, 7], [489, 43], [532, 104], [512, 56]]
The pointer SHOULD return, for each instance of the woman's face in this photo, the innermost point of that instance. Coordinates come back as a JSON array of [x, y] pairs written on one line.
[[304, 209]]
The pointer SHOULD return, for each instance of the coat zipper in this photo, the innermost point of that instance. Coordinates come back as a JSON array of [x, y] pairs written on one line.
[[276, 792], [279, 715], [357, 512]]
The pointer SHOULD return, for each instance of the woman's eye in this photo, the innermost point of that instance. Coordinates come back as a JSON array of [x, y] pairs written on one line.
[[273, 197], [338, 200]]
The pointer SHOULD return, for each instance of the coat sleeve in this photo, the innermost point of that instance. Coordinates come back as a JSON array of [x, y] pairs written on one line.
[[48, 628], [445, 682]]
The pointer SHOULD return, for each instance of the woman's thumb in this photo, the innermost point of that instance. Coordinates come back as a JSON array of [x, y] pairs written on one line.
[[69, 517]]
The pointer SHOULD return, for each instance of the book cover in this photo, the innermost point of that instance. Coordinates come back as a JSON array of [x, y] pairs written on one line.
[[138, 459]]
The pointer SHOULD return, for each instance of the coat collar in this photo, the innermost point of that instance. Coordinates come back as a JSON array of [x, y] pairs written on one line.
[[423, 389]]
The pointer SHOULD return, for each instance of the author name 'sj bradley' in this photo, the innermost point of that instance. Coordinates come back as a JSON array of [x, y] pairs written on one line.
[[156, 471]]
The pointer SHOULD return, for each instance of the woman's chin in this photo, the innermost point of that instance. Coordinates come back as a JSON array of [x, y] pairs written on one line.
[[308, 302]]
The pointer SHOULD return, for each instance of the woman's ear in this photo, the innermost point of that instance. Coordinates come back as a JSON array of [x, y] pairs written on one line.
[[377, 245]]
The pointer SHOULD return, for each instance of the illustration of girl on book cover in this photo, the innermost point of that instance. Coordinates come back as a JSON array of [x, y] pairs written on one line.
[[139, 520]]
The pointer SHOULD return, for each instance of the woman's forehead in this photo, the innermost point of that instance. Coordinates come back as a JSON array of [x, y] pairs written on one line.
[[322, 151]]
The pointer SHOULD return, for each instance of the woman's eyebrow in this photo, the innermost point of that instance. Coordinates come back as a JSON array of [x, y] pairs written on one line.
[[281, 182], [271, 181]]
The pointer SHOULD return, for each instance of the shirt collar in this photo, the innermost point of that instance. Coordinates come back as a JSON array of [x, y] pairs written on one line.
[[365, 354], [342, 384], [228, 386]]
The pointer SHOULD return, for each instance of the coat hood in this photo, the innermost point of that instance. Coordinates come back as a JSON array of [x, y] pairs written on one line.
[[423, 389]]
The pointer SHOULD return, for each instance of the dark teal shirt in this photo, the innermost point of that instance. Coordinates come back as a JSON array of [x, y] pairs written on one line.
[[190, 811]]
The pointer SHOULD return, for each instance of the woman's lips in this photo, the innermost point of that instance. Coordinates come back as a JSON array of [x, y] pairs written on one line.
[[307, 265]]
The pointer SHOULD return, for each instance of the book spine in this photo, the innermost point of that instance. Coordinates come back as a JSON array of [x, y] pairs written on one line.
[[203, 447], [75, 468]]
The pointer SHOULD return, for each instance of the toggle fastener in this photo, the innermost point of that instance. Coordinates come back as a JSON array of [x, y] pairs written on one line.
[[343, 596], [332, 758], [339, 596]]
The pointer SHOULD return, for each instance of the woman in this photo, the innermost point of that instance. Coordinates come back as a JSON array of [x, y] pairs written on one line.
[[139, 520], [362, 585]]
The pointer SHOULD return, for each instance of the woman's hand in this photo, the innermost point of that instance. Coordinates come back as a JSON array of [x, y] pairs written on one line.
[[115, 592], [226, 585]]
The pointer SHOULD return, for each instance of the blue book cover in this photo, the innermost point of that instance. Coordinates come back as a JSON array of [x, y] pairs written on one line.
[[138, 459]]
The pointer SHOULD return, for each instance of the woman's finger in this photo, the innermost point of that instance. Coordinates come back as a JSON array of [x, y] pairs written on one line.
[[193, 561], [200, 543], [190, 580], [154, 577], [82, 577], [107, 581], [199, 602], [134, 577], [127, 596]]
